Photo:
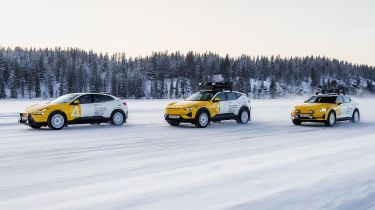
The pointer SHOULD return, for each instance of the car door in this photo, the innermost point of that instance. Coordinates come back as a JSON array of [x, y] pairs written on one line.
[[223, 103], [85, 107], [233, 106], [102, 105], [349, 106], [342, 106]]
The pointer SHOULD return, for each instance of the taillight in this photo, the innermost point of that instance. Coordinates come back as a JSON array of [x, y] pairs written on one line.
[[125, 104]]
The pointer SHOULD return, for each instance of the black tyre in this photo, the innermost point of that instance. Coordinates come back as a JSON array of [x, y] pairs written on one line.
[[202, 119], [117, 118], [35, 126], [331, 120], [173, 122], [297, 122], [243, 117], [56, 120], [356, 117]]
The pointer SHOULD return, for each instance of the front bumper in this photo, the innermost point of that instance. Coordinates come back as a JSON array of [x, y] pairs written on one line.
[[178, 114], [27, 119], [24, 118], [177, 118], [309, 117]]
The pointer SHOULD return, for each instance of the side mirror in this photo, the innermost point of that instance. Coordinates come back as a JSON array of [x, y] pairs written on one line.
[[217, 99], [75, 102]]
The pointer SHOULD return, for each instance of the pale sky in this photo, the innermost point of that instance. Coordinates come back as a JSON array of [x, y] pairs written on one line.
[[344, 29]]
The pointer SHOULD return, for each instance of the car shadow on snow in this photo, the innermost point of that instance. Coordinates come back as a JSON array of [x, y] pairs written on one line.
[[212, 125], [79, 127], [341, 124]]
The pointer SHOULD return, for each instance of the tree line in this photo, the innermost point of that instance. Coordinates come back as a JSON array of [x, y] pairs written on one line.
[[49, 73]]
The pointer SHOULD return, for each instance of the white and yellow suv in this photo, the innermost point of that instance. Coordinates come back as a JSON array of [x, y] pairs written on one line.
[[214, 102], [76, 108], [328, 108]]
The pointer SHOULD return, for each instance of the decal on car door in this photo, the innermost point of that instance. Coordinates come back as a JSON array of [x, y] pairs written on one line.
[[100, 109], [76, 111]]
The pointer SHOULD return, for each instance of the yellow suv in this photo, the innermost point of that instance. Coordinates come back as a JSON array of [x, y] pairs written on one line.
[[326, 107], [214, 102]]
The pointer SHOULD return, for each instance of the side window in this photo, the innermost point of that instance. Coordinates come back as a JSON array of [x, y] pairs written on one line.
[[102, 98], [347, 99], [339, 100], [222, 96], [85, 99], [231, 96]]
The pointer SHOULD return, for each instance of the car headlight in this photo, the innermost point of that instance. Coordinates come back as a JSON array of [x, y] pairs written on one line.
[[40, 112], [323, 110], [189, 109]]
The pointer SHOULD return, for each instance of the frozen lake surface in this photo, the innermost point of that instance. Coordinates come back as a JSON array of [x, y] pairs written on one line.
[[147, 164]]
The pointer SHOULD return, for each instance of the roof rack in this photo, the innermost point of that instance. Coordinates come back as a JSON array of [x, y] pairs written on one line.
[[331, 92], [215, 86]]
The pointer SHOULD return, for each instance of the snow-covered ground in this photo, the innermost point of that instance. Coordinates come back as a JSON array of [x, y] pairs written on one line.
[[146, 164]]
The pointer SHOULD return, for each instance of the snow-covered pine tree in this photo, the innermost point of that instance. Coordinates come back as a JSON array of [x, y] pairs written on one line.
[[273, 89], [61, 71]]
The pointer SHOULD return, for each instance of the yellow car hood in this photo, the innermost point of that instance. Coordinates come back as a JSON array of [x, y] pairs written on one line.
[[186, 104], [313, 106], [36, 107]]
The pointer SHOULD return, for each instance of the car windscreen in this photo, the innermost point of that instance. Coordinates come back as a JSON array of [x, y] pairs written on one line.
[[64, 99], [322, 99], [201, 96]]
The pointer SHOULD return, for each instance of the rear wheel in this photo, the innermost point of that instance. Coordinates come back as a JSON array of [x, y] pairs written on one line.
[[202, 119], [331, 120], [117, 118], [297, 122], [56, 121], [243, 117], [356, 116], [173, 122]]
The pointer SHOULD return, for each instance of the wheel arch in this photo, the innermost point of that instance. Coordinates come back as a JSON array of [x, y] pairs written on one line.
[[118, 110], [243, 108], [329, 112], [203, 109], [60, 112]]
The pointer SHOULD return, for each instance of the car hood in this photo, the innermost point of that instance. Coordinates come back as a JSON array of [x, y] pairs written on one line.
[[185, 104], [36, 107], [313, 106]]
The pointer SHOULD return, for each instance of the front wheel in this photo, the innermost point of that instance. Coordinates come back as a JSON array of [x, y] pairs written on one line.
[[56, 121], [117, 118], [297, 122], [202, 119], [356, 117], [243, 117], [331, 120]]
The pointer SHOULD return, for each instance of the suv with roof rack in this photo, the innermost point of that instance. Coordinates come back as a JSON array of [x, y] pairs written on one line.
[[327, 106], [214, 102]]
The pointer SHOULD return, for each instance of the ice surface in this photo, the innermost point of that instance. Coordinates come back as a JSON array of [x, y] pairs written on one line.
[[146, 164]]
